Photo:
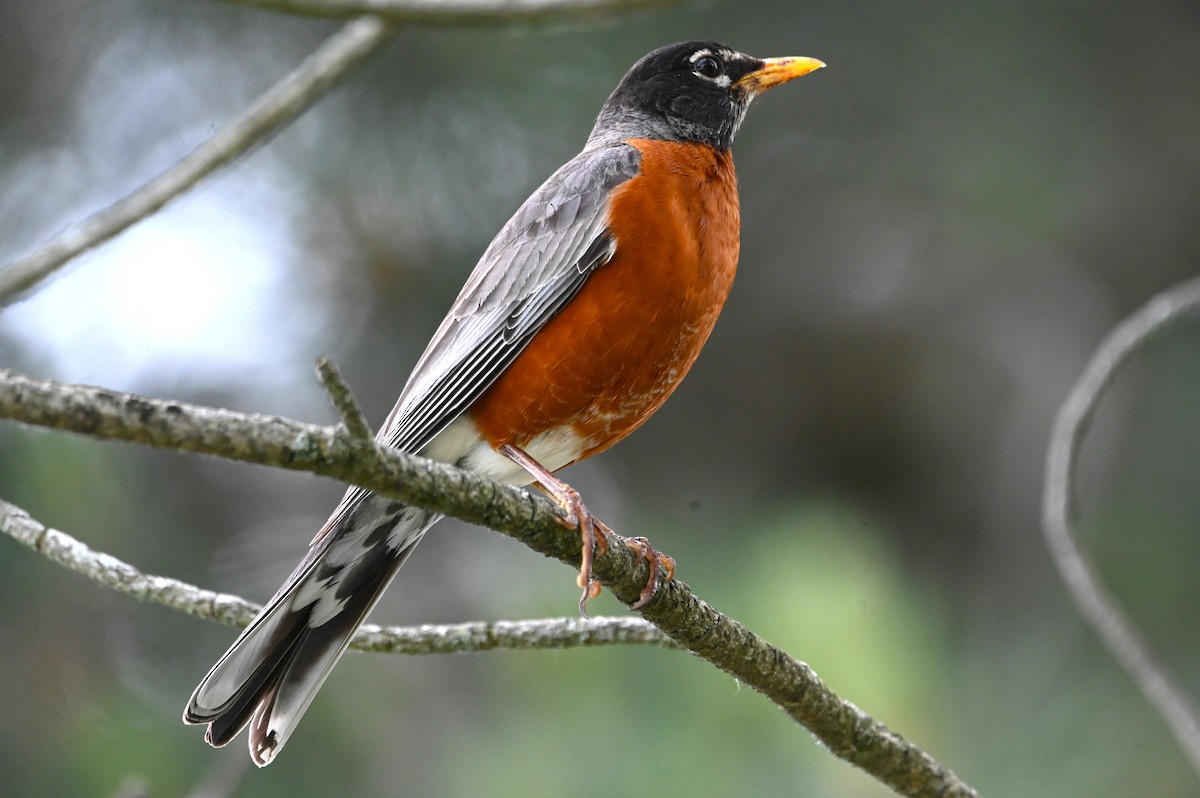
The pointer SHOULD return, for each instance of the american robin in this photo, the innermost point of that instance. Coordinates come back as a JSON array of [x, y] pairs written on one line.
[[580, 319]]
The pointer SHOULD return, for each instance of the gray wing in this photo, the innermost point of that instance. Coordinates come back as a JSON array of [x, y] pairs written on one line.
[[537, 262]]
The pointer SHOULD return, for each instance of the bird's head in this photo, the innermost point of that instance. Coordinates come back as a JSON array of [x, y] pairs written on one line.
[[692, 91]]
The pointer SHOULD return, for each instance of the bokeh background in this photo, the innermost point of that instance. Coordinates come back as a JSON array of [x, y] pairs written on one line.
[[938, 229]]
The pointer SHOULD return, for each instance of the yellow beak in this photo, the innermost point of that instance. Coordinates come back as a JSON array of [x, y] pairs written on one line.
[[775, 71]]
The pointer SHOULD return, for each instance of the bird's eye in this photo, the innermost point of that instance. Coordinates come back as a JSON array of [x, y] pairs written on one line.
[[708, 66]]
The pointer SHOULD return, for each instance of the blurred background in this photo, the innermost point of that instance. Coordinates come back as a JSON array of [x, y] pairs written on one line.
[[938, 230]]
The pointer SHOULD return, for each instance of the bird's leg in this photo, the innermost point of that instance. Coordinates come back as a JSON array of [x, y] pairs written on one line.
[[593, 531]]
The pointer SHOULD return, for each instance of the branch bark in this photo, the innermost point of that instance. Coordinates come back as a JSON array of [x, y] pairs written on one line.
[[331, 451], [342, 399], [456, 12], [1060, 512]]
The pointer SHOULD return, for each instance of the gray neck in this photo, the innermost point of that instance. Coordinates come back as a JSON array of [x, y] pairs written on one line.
[[612, 127], [616, 125]]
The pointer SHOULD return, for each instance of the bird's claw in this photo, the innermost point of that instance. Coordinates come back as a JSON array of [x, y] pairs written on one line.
[[655, 559]]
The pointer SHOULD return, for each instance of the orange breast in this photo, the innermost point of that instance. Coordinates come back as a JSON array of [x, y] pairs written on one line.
[[613, 355]]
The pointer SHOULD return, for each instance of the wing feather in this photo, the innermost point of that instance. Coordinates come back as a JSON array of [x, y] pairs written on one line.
[[537, 262]]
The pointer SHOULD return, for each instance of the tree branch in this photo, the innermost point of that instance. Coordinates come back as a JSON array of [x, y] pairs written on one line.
[[276, 107], [689, 621], [549, 633], [456, 12], [1060, 512]]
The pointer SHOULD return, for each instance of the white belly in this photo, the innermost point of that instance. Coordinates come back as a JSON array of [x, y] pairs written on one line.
[[459, 444]]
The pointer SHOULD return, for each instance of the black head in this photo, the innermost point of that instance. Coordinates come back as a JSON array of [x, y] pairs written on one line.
[[692, 91]]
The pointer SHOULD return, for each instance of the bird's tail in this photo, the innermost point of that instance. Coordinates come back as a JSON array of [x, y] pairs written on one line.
[[271, 673]]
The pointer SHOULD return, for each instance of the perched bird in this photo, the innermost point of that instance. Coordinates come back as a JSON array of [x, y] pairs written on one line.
[[578, 322]]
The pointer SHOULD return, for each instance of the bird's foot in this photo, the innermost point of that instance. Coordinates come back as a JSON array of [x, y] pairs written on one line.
[[655, 559]]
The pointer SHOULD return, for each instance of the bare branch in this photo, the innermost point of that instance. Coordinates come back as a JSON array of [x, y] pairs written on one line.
[[545, 633], [342, 399], [548, 633], [278, 106], [283, 102], [456, 12], [847, 731], [1060, 511]]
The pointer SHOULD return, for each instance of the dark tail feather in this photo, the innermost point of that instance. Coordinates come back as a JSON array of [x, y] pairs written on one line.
[[274, 669], [237, 713]]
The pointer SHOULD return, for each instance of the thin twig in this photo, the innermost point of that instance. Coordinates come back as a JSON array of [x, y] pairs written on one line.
[[547, 633], [342, 399], [1060, 512], [278, 106], [457, 12], [535, 521]]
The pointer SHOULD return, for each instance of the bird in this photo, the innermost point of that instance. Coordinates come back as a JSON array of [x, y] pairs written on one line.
[[581, 317]]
